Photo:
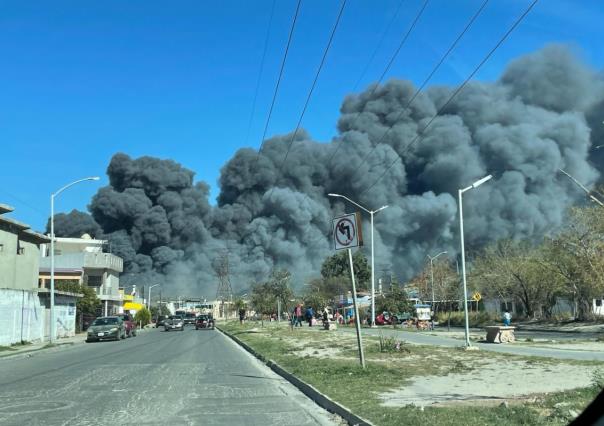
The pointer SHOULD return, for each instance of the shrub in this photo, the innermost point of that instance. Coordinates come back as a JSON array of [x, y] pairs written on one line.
[[143, 317], [597, 379], [476, 319], [390, 344]]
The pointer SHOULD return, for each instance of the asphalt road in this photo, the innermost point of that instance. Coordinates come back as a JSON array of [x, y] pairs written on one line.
[[537, 334], [158, 378], [429, 339]]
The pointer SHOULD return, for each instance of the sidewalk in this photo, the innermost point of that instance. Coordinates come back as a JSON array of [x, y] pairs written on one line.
[[38, 346], [420, 338]]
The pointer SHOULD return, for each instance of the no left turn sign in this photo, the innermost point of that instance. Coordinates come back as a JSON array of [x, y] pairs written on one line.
[[347, 231]]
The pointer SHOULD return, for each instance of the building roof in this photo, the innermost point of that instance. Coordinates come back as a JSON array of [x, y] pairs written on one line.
[[90, 241], [5, 208], [38, 237], [19, 225]]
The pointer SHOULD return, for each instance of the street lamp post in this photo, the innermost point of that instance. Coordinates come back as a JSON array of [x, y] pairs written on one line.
[[149, 293], [371, 213], [463, 254], [432, 259], [52, 252]]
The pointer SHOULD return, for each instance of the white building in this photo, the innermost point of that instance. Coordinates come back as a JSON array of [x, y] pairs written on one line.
[[86, 261]]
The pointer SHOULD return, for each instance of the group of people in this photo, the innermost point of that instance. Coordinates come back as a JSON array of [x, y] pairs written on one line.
[[309, 315]]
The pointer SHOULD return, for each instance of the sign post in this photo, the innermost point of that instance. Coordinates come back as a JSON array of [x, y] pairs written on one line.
[[347, 234]]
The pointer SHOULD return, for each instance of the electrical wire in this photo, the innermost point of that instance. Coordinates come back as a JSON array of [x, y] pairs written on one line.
[[420, 134], [424, 83], [312, 88], [378, 46], [270, 112], [386, 69], [260, 72]]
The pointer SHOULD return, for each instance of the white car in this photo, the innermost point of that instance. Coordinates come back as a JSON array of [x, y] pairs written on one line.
[[174, 322]]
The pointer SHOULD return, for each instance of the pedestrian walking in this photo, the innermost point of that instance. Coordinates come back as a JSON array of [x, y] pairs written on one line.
[[241, 315], [507, 318], [309, 315], [298, 316]]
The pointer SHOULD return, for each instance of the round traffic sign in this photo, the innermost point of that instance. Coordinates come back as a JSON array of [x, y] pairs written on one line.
[[345, 231]]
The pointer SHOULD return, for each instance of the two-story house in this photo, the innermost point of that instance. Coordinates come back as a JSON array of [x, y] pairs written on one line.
[[24, 308], [86, 261]]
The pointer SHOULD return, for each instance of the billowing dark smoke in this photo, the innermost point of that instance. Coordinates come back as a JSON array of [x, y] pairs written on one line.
[[75, 224], [543, 114]]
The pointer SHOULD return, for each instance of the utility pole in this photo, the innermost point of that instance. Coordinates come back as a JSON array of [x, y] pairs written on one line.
[[432, 259], [357, 320]]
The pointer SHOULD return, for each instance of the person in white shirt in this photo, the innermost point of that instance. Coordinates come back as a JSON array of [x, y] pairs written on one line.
[[507, 318]]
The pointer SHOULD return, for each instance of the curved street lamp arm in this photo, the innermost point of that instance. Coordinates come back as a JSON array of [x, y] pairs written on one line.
[[73, 183]]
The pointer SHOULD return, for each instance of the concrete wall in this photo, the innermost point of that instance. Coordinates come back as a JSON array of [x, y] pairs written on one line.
[[27, 266], [25, 315], [19, 258], [22, 316], [8, 254]]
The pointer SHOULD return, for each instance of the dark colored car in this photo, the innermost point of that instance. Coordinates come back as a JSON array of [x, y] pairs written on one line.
[[174, 322], [161, 321], [129, 324], [106, 328], [204, 321], [189, 318]]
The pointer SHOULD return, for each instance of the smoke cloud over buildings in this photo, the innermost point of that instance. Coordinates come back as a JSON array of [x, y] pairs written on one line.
[[544, 113]]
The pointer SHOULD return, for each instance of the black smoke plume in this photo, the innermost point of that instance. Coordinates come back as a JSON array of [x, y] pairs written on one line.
[[544, 113]]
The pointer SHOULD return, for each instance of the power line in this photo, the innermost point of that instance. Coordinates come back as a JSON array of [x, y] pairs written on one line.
[[268, 32], [270, 112], [424, 83], [26, 204], [388, 66], [377, 47], [455, 93], [312, 88]]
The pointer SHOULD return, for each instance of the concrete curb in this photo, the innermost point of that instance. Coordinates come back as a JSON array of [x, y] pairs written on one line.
[[308, 390], [38, 348]]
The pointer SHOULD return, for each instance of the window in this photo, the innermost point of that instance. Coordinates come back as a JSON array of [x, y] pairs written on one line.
[[95, 280], [598, 302], [20, 250]]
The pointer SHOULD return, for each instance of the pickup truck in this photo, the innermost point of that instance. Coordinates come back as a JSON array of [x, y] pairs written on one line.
[[129, 325], [174, 322]]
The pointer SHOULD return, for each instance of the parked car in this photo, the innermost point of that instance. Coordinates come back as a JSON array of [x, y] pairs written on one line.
[[174, 322], [129, 324], [204, 321], [106, 328], [189, 318]]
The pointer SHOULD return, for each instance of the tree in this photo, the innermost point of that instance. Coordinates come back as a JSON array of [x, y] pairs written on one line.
[[315, 300], [143, 317], [338, 266], [279, 287], [576, 257], [262, 299], [329, 289], [395, 302], [88, 304], [517, 270], [265, 296], [239, 304], [159, 310]]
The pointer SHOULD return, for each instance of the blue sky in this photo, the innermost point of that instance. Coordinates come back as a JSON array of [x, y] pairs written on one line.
[[80, 81]]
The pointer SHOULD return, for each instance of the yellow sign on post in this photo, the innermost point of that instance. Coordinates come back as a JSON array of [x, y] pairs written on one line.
[[476, 297]]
